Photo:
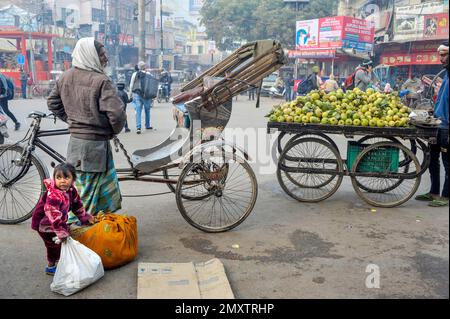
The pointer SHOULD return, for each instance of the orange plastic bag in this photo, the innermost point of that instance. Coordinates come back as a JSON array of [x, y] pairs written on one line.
[[113, 237]]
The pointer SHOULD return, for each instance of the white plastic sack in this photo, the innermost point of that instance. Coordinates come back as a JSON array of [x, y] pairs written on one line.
[[78, 268]]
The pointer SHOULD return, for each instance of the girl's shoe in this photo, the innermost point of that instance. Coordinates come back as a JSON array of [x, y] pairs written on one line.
[[50, 270]]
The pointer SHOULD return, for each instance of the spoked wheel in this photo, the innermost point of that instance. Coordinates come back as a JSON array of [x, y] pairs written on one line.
[[404, 162], [18, 199], [281, 145], [376, 168], [310, 170], [171, 174], [217, 193]]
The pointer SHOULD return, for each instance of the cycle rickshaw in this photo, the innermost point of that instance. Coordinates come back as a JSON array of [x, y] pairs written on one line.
[[215, 187]]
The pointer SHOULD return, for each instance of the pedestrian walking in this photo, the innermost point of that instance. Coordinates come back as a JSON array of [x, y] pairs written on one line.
[[23, 82], [4, 100], [363, 76], [251, 93], [331, 84], [441, 148], [87, 100], [50, 216], [288, 85], [136, 93], [125, 99]]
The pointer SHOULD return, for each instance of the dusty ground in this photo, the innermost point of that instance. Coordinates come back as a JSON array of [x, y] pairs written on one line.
[[286, 249]]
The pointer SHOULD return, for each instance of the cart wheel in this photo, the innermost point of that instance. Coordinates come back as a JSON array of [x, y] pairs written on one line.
[[281, 146], [404, 163], [381, 192], [217, 193], [313, 154]]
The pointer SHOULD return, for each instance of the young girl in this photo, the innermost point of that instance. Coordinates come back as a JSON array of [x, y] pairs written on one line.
[[50, 216]]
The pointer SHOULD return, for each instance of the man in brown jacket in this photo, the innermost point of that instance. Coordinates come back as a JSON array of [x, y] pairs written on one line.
[[87, 100]]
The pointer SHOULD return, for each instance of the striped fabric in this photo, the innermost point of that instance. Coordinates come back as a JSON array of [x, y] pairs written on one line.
[[99, 191]]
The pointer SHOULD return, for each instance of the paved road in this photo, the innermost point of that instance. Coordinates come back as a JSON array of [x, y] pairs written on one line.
[[286, 249]]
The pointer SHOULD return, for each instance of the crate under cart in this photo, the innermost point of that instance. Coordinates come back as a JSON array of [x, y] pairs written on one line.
[[383, 163]]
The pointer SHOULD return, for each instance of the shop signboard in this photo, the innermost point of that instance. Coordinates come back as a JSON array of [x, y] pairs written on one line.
[[335, 32], [436, 26], [358, 34], [307, 34], [330, 34], [399, 59], [312, 54], [410, 20]]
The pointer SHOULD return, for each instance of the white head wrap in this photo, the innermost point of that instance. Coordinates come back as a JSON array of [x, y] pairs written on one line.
[[85, 56]]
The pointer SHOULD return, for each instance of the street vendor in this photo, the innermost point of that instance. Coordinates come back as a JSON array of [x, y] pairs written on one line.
[[440, 112], [87, 100]]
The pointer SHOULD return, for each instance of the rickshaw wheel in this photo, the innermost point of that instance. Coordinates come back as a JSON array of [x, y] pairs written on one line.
[[315, 154], [167, 174], [216, 193], [377, 194]]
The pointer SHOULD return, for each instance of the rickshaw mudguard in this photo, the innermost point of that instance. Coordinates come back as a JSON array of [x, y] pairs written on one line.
[[197, 152]]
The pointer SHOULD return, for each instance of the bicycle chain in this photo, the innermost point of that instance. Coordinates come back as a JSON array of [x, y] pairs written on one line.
[[118, 144]]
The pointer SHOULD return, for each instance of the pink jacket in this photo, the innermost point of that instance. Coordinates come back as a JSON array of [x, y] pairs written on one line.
[[51, 213]]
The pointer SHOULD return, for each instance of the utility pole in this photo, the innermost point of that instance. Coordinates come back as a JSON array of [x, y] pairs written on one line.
[[141, 18], [162, 34]]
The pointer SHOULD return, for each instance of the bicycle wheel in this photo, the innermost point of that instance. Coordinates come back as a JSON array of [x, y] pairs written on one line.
[[18, 200], [322, 168], [381, 192], [224, 191]]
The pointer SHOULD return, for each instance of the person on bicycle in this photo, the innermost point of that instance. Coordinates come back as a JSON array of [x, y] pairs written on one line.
[[441, 148], [166, 80], [87, 100]]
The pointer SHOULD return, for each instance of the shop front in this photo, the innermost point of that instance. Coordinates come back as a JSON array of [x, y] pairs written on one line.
[[42, 57]]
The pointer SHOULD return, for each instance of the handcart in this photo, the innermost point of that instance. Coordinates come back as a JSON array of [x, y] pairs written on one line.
[[383, 163]]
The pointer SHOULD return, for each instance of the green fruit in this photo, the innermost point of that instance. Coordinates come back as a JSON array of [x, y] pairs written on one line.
[[373, 123], [333, 121], [325, 121], [281, 119], [289, 119], [305, 119], [314, 120], [365, 122], [298, 119], [381, 123], [349, 122], [341, 122], [325, 114], [273, 118], [356, 122]]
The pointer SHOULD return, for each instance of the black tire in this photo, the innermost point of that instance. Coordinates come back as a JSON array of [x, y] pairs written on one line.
[[310, 187], [395, 196], [18, 201], [217, 190]]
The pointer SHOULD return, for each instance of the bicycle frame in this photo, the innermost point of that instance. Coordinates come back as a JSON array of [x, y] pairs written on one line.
[[33, 142]]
